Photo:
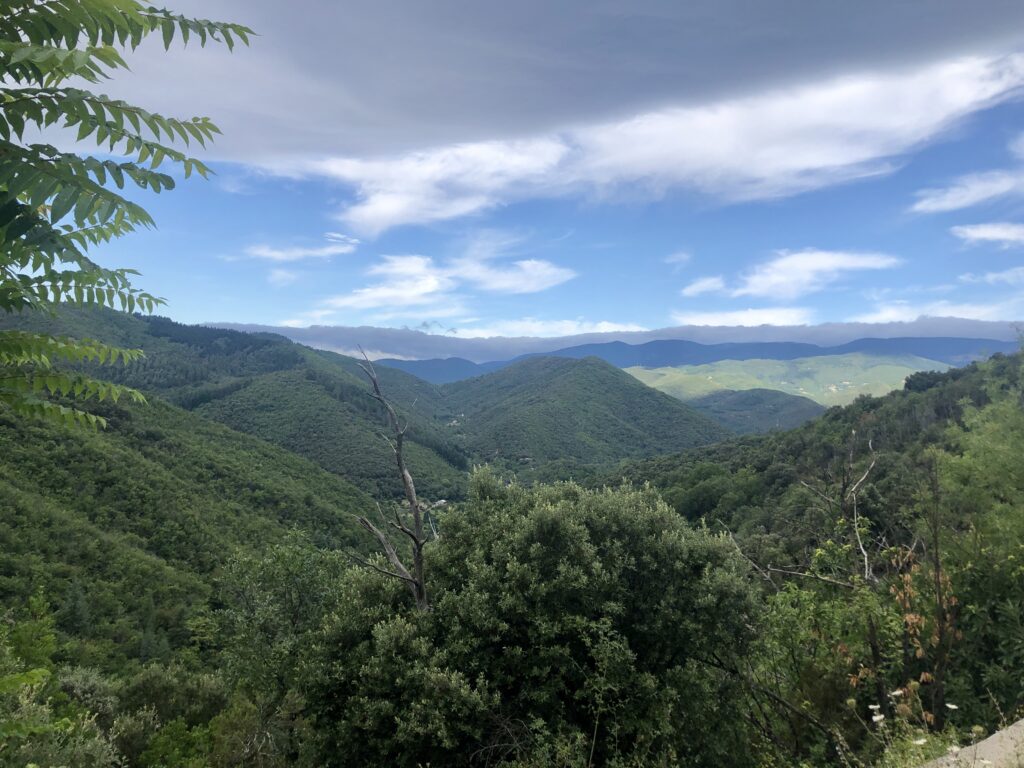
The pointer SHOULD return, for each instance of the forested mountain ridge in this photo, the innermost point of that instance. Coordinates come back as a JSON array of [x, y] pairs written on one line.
[[525, 418], [752, 411], [549, 417], [125, 528], [310, 402]]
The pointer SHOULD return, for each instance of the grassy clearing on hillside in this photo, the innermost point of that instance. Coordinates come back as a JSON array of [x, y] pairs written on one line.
[[831, 380]]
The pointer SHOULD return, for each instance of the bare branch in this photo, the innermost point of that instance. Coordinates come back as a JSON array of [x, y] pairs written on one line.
[[756, 567], [415, 534], [803, 575], [387, 546], [367, 564], [868, 575]]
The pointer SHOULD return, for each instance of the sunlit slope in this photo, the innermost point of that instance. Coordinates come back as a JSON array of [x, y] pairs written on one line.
[[829, 380]]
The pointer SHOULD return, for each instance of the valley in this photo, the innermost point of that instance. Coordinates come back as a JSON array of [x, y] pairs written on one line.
[[185, 534]]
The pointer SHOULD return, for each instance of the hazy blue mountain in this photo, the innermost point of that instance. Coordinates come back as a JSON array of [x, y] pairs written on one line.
[[443, 371], [666, 353], [406, 343]]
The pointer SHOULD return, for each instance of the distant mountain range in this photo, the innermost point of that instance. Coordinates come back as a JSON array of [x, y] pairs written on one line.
[[668, 353], [435, 342], [540, 417]]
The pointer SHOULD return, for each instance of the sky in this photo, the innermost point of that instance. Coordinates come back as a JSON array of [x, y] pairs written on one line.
[[483, 169]]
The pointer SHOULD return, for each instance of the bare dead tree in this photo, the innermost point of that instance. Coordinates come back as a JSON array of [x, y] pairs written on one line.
[[413, 577], [851, 498]]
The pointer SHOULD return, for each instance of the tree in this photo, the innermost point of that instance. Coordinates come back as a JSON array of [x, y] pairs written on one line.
[[414, 578], [567, 627], [57, 205]]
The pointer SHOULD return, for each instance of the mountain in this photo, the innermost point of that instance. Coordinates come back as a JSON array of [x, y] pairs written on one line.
[[676, 352], [406, 343], [133, 522], [829, 380], [549, 417], [753, 411], [316, 404], [310, 402], [443, 371]]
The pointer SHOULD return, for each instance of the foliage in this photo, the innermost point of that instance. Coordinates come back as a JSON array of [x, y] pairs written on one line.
[[565, 623], [56, 205], [124, 530], [180, 589], [907, 605]]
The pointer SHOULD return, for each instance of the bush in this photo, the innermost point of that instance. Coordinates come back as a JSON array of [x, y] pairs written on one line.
[[567, 625]]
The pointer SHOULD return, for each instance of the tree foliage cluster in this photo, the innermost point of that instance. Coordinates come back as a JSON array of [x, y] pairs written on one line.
[[895, 603], [56, 205]]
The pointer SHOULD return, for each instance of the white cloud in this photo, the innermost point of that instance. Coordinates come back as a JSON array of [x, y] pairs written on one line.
[[440, 184], [338, 244], [420, 286], [1014, 276], [704, 285], [408, 281], [1003, 233], [747, 317], [543, 328], [282, 277], [905, 311], [679, 257], [769, 145], [306, 319], [968, 191], [525, 276], [798, 273]]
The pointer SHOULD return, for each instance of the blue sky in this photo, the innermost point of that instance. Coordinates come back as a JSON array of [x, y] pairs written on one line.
[[877, 190]]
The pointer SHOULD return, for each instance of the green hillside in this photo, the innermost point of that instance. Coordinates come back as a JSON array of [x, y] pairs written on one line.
[[134, 521], [831, 380], [751, 411], [548, 417], [316, 404]]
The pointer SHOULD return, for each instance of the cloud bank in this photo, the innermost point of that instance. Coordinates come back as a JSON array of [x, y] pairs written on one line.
[[782, 142]]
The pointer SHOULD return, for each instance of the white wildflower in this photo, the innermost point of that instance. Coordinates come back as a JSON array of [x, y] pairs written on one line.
[[952, 706], [919, 742], [877, 718], [874, 707]]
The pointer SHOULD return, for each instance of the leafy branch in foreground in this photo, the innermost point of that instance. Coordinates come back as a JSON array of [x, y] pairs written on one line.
[[56, 205]]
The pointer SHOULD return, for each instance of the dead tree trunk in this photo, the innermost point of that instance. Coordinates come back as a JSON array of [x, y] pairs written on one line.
[[413, 577]]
